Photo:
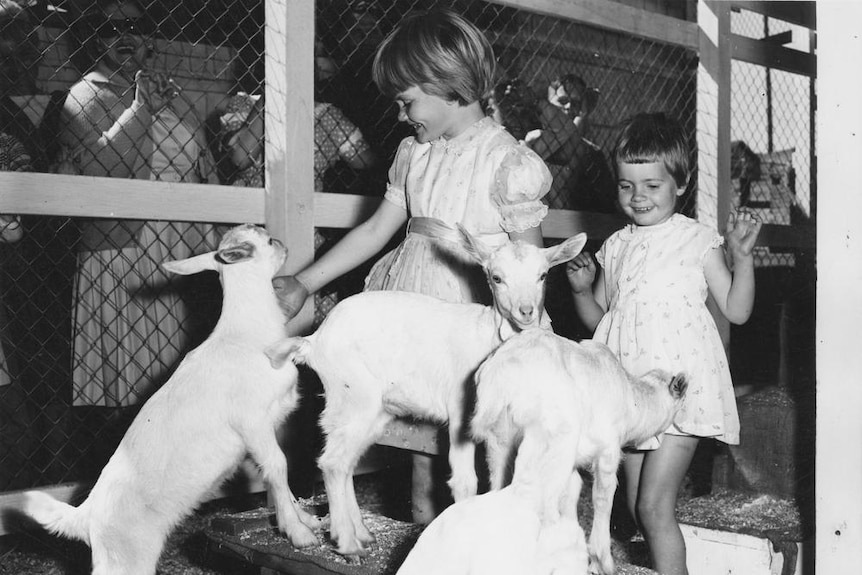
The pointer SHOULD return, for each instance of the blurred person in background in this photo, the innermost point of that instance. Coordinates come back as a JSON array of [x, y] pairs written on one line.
[[582, 177], [131, 325], [20, 151]]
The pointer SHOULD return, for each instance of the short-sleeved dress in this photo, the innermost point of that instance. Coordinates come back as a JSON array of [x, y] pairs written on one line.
[[657, 318], [483, 179]]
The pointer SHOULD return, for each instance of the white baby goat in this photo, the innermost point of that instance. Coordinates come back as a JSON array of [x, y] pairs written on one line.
[[563, 405], [499, 533], [387, 354], [224, 401]]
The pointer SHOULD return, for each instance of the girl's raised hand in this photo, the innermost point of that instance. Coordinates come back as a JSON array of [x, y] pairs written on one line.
[[741, 235], [581, 273]]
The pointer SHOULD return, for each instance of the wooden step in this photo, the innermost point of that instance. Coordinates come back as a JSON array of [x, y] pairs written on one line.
[[731, 532]]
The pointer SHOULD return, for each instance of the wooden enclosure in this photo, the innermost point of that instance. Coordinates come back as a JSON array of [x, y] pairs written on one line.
[[291, 210]]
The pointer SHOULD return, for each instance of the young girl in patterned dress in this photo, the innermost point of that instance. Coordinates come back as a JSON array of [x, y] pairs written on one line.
[[648, 303], [459, 167]]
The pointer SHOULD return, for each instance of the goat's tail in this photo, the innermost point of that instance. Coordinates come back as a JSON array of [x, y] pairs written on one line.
[[58, 517], [295, 349]]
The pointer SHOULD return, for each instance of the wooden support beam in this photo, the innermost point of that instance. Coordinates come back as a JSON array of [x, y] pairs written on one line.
[[773, 55], [802, 13], [289, 38], [616, 17]]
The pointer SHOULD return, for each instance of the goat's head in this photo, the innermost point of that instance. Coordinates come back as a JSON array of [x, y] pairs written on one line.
[[516, 272], [244, 243], [668, 389]]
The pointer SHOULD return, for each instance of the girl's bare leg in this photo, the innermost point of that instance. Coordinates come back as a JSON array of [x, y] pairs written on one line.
[[654, 479]]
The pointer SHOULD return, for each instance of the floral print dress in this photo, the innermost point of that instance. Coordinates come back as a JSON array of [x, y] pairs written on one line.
[[657, 318]]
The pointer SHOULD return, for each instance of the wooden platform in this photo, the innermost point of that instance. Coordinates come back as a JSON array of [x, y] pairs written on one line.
[[252, 537], [726, 533]]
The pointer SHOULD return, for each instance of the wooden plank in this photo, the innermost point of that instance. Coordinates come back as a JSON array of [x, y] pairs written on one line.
[[87, 196], [416, 436], [798, 12], [616, 17], [342, 210], [49, 194], [769, 54]]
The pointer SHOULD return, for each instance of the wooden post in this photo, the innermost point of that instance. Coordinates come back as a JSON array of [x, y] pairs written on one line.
[[713, 125], [289, 38], [289, 45], [839, 275]]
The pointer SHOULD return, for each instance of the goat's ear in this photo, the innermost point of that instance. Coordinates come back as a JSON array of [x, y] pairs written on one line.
[[476, 248], [192, 265], [565, 251], [678, 385], [236, 253]]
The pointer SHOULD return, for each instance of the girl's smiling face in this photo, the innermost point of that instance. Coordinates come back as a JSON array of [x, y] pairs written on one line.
[[647, 192], [431, 116]]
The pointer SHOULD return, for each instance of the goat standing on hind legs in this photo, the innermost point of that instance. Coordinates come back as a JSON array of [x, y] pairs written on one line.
[[387, 354], [223, 402], [580, 409]]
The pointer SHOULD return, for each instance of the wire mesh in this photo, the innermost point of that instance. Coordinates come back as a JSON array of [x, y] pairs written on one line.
[[772, 175], [91, 325]]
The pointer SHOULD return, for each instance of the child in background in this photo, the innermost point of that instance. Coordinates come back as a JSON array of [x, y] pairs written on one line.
[[648, 303], [459, 167]]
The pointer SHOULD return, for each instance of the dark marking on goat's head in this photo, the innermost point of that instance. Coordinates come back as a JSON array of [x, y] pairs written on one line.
[[236, 253]]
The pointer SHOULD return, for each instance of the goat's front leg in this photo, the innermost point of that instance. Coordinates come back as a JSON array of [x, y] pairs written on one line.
[[363, 535], [264, 449], [569, 501], [462, 461], [499, 453], [550, 457], [604, 487]]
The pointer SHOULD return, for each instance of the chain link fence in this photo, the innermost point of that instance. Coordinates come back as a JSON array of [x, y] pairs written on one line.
[[773, 175], [92, 326]]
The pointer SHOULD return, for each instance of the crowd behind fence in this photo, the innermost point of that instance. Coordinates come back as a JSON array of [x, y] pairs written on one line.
[[90, 326]]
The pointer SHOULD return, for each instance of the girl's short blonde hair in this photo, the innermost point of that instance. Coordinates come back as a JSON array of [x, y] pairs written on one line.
[[439, 52]]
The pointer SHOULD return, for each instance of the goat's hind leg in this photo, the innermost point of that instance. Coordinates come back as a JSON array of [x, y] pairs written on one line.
[[129, 551], [349, 433], [604, 487], [294, 522]]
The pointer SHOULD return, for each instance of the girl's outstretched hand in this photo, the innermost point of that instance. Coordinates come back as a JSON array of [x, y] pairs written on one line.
[[741, 235], [291, 294], [581, 273]]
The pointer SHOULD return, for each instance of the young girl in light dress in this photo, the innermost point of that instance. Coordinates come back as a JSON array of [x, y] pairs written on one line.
[[647, 301], [460, 167]]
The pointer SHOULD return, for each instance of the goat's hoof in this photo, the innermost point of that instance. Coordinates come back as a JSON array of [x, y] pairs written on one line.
[[598, 567], [365, 537], [313, 522], [353, 553], [302, 537]]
